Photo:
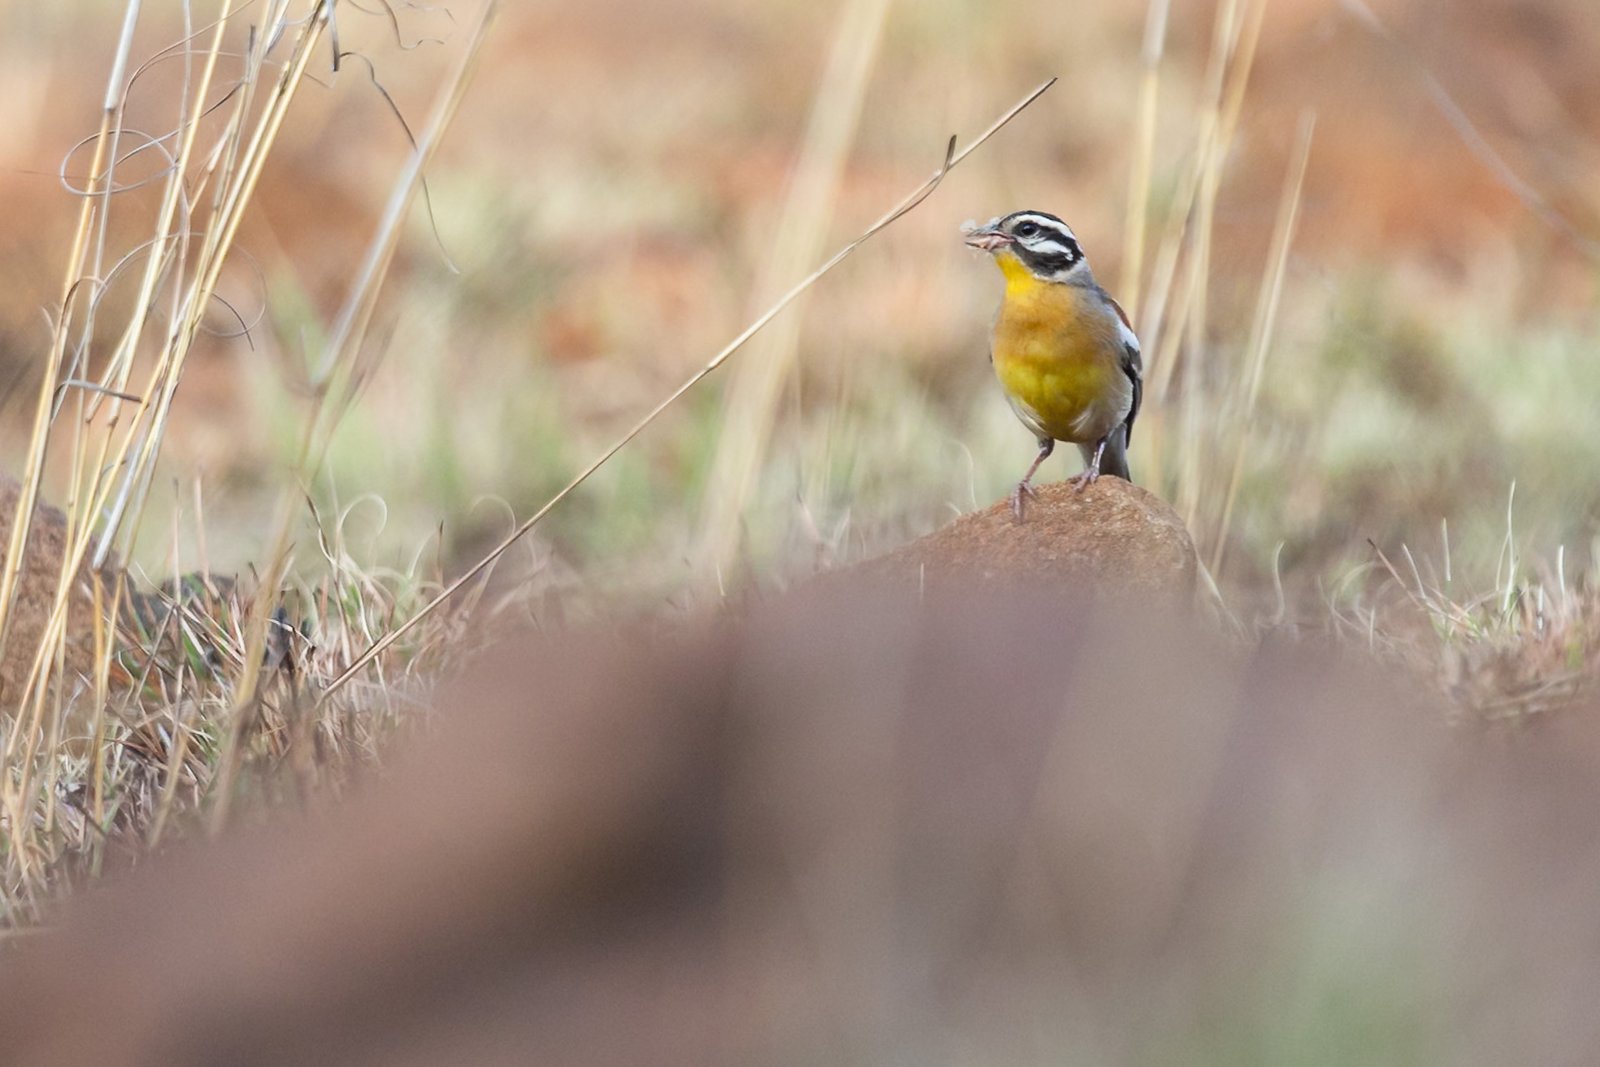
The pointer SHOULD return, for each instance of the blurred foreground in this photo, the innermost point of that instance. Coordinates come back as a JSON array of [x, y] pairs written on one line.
[[992, 828]]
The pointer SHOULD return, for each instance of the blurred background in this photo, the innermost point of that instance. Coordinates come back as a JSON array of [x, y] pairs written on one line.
[[629, 182]]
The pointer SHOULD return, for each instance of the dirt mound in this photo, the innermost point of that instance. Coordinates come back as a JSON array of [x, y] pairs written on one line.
[[36, 591], [1113, 536], [143, 613]]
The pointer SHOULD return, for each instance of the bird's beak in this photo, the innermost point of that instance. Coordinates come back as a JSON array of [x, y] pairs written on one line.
[[988, 238]]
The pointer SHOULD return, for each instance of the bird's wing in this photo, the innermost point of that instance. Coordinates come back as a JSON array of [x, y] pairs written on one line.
[[1132, 362]]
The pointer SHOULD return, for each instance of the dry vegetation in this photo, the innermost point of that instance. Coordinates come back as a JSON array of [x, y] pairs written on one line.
[[1354, 242]]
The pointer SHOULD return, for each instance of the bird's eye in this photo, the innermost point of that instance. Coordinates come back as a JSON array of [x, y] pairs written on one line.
[[1028, 229]]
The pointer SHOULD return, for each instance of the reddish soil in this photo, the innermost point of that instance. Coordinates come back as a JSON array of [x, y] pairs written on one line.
[[1111, 535]]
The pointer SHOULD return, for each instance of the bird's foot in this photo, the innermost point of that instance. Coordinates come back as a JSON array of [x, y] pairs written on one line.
[[1084, 478], [1019, 497]]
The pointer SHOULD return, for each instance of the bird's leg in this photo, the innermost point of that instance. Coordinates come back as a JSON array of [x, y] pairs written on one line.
[[1090, 474], [1023, 489]]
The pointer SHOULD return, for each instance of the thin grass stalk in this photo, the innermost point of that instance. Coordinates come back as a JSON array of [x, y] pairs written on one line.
[[1512, 563], [104, 650], [189, 302], [80, 509], [1266, 315], [1246, 46], [219, 240], [1158, 324], [1238, 41], [1265, 319], [1208, 162], [58, 714], [120, 365], [1150, 57], [97, 277], [1187, 490], [910, 202], [1164, 331], [33, 465], [177, 750], [751, 408], [342, 347], [1194, 415], [164, 378]]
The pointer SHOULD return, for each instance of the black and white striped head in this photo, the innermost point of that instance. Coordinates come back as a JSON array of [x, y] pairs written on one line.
[[1042, 243]]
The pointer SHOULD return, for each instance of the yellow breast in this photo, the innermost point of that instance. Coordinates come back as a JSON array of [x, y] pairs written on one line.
[[1056, 357]]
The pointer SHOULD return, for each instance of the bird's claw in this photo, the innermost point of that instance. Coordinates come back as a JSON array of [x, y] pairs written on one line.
[[1086, 477], [1019, 497]]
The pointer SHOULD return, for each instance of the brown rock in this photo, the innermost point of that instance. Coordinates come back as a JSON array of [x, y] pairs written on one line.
[[1112, 536], [36, 591]]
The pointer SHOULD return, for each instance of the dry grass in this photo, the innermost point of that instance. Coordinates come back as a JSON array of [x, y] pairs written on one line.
[[752, 407], [1505, 654], [221, 680]]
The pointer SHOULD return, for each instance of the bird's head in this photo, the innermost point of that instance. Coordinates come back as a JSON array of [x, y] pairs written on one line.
[[1034, 241]]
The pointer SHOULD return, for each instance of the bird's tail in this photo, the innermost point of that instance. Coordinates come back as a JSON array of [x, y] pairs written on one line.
[[1114, 460]]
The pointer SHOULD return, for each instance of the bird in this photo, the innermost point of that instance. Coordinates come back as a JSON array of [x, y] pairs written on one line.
[[1063, 349]]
